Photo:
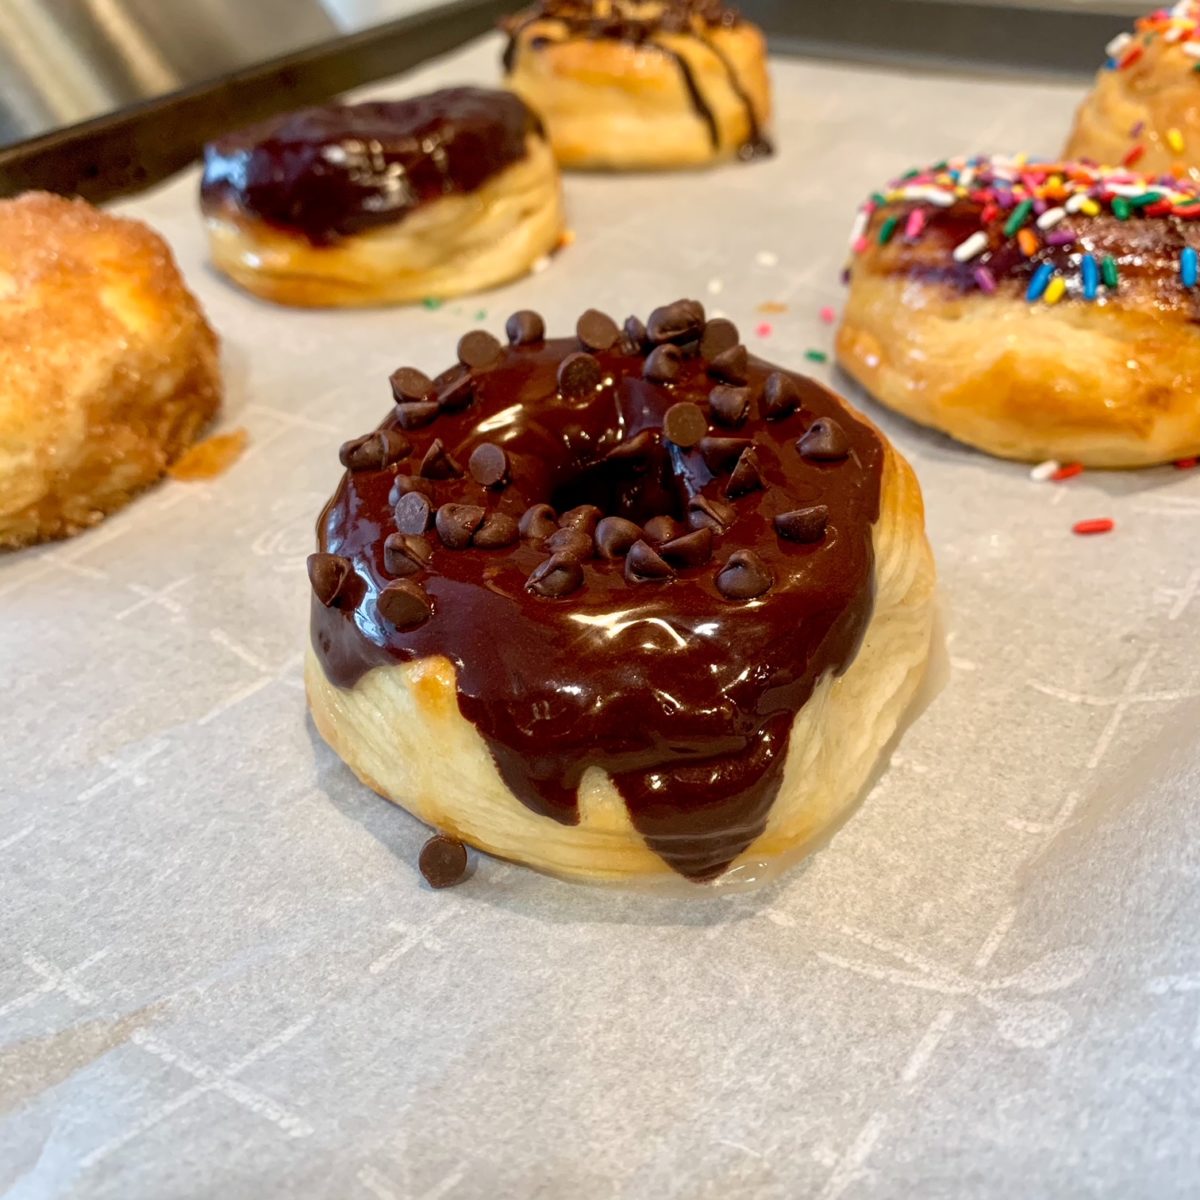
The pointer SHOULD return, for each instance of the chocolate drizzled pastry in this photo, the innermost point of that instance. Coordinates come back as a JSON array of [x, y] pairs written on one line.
[[332, 172], [601, 607]]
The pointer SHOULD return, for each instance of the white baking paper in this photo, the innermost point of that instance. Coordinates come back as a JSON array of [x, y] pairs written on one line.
[[221, 974]]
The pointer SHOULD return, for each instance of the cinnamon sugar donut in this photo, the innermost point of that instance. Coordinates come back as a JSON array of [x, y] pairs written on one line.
[[642, 83], [1033, 310], [384, 202], [627, 605]]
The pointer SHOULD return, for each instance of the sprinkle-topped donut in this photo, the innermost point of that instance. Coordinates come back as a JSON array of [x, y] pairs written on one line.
[[938, 250], [640, 548]]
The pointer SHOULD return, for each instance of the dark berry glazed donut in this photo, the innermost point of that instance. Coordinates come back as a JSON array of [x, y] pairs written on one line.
[[619, 606]]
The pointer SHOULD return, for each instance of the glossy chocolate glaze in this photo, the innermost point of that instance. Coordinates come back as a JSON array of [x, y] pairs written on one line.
[[638, 26], [684, 697], [332, 172]]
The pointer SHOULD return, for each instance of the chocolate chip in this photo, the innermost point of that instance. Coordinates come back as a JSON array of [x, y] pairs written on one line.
[[678, 322], [409, 384], [746, 476], [574, 542], [719, 335], [497, 530], [579, 375], [662, 364], [690, 550], [406, 554], [685, 424], [720, 453], [455, 524], [417, 413], [437, 463], [538, 522], [488, 465], [329, 574], [558, 576], [455, 389], [803, 524], [731, 366], [634, 339], [414, 513], [744, 577], [637, 449], [729, 404], [662, 529], [597, 331], [644, 564], [614, 536], [443, 862], [375, 450], [478, 349], [825, 441], [710, 514], [403, 485], [405, 604], [781, 397], [525, 328], [582, 516]]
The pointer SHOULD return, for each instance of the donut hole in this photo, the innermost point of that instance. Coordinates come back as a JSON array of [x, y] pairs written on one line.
[[636, 489]]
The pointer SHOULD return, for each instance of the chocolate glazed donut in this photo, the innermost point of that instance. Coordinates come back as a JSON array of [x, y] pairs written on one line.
[[640, 549]]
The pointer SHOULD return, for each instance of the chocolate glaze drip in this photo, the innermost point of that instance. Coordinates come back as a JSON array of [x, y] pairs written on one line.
[[332, 172], [691, 17], [686, 698]]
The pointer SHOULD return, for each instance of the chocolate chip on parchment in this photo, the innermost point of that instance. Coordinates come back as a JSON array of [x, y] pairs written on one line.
[[710, 514], [478, 349], [746, 476], [662, 529], [720, 453], [525, 328], [744, 576], [538, 522], [614, 536], [690, 549], [438, 464], [488, 465], [685, 424], [825, 441], [414, 513], [662, 364], [414, 414], [597, 331], [410, 385], [719, 335], [405, 604], [456, 523], [803, 524], [404, 485], [443, 862], [731, 366], [633, 339], [644, 564], [374, 451], [781, 397], [497, 530], [729, 404], [406, 554], [574, 542], [678, 322], [582, 517], [579, 375], [329, 574], [558, 576]]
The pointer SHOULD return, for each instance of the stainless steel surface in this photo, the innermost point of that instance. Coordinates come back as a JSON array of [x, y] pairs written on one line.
[[62, 61]]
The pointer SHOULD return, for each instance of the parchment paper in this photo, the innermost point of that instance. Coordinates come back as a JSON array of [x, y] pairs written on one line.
[[221, 975]]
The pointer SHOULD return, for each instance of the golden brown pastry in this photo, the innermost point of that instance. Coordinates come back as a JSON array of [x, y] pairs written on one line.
[[384, 203], [108, 369], [1144, 110], [642, 83], [1034, 310], [629, 605]]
